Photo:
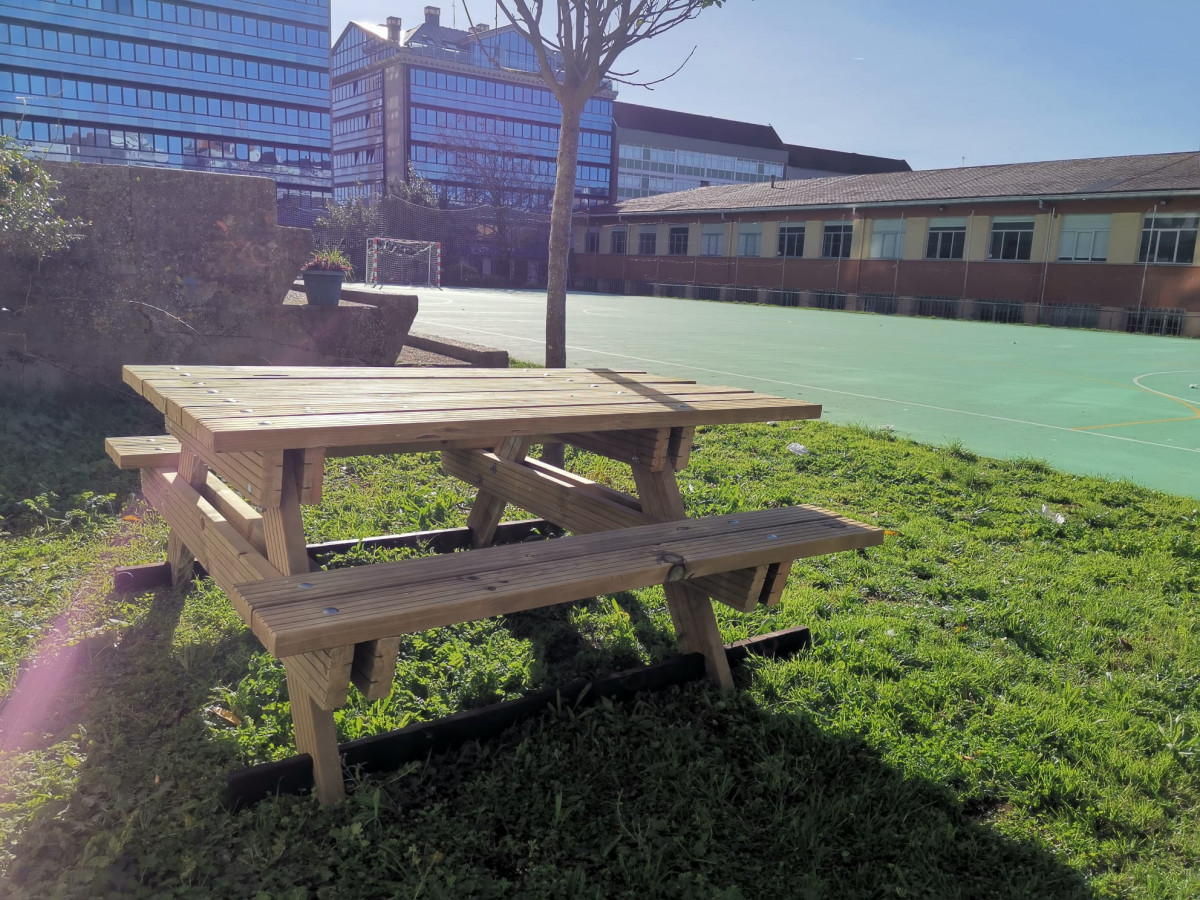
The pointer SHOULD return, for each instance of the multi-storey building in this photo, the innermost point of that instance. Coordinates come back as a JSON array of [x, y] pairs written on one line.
[[238, 86], [1107, 242], [466, 109], [662, 150]]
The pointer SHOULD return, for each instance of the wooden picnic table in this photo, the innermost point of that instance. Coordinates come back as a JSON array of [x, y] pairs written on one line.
[[247, 446]]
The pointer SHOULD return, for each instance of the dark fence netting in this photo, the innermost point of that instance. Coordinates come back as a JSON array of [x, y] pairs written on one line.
[[483, 246]]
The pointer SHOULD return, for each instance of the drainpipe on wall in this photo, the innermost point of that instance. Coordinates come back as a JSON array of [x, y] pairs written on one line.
[[967, 255], [858, 269], [1145, 267], [896, 267], [1046, 261], [837, 278]]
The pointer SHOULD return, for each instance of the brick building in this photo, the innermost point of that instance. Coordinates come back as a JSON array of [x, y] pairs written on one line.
[[1107, 242]]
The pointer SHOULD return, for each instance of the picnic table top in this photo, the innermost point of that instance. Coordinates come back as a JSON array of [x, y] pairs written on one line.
[[260, 408]]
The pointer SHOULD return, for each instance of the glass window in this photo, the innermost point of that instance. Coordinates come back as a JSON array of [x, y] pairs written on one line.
[[1169, 239], [887, 239], [1011, 239], [750, 240], [591, 241], [617, 242], [947, 238], [677, 241], [1084, 238], [712, 240], [648, 240], [835, 243], [791, 240]]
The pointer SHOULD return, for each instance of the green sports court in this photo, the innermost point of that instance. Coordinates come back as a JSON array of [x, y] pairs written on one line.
[[1088, 402]]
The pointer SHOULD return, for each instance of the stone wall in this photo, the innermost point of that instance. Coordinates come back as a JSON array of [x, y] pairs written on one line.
[[176, 267]]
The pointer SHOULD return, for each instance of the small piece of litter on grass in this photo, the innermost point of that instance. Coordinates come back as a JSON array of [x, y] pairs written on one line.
[[1056, 518], [799, 449], [891, 632], [1194, 386]]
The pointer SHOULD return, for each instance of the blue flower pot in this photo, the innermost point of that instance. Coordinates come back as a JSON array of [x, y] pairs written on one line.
[[322, 287]]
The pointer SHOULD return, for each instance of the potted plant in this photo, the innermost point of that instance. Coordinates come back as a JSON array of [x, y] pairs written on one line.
[[323, 276]]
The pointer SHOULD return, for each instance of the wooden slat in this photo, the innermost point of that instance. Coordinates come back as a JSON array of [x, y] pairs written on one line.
[[489, 503], [776, 582], [315, 732], [584, 507], [645, 446], [143, 452], [192, 474], [389, 599], [375, 666], [283, 527], [227, 556], [228, 434], [236, 511], [257, 475], [691, 612], [327, 674]]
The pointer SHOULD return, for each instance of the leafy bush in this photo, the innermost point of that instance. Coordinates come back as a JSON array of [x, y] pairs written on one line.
[[29, 222]]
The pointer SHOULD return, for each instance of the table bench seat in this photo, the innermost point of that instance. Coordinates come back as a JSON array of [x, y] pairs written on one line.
[[322, 610]]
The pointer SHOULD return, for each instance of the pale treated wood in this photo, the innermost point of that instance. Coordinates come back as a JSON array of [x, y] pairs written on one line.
[[679, 450], [227, 556], [283, 527], [646, 446], [257, 475], [390, 599], [327, 674], [316, 735], [143, 452], [192, 473], [228, 433], [488, 507], [776, 582], [375, 667], [240, 514], [540, 490], [691, 611], [583, 507]]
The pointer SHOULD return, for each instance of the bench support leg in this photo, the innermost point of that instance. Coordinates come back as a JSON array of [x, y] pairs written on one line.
[[194, 472], [316, 736], [691, 611], [486, 513], [283, 529]]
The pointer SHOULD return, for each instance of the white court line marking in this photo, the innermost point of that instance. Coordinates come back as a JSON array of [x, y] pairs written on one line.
[[813, 387], [1187, 403]]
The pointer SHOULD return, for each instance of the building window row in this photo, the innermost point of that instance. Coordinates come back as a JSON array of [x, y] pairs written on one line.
[[169, 101], [358, 50], [475, 125], [355, 157], [197, 17], [361, 122], [287, 160], [1083, 238], [171, 57], [350, 89], [499, 90]]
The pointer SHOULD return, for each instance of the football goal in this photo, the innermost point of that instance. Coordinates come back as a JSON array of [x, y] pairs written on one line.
[[397, 261]]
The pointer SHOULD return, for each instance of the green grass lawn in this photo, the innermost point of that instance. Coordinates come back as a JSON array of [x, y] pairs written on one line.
[[1001, 701]]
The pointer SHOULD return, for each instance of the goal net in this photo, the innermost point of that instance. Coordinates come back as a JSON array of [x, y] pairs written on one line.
[[396, 261]]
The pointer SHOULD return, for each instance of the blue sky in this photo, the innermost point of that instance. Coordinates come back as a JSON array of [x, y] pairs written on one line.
[[932, 81]]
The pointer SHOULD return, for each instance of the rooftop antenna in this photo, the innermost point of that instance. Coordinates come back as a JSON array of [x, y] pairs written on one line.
[[964, 161]]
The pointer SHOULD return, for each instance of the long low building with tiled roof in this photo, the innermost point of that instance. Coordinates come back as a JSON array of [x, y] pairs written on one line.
[[1107, 242]]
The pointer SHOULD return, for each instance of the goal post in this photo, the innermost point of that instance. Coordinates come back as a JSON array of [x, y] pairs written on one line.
[[400, 261]]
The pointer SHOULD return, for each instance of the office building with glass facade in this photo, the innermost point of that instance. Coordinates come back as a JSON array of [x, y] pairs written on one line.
[[466, 109], [234, 86], [662, 150]]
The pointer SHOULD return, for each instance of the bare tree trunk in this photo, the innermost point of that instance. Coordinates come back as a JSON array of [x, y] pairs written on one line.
[[560, 233]]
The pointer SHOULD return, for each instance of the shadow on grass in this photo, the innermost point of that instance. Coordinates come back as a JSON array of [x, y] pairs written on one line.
[[135, 708], [687, 793]]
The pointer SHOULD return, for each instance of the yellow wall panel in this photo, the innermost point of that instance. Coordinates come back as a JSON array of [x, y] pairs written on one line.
[[1124, 238], [979, 232], [916, 229]]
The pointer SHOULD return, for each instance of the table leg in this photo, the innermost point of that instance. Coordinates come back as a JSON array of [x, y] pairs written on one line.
[[283, 527], [486, 513], [691, 611], [316, 735], [194, 472]]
